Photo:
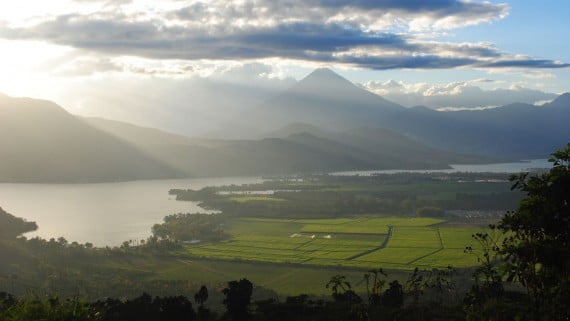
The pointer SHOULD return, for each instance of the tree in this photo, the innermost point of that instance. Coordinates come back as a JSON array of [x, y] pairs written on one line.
[[374, 285], [394, 295], [201, 296], [414, 286], [238, 298], [338, 283], [537, 247], [485, 299], [441, 282], [430, 211]]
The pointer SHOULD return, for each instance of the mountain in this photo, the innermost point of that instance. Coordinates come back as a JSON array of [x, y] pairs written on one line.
[[385, 144], [296, 128], [41, 142], [562, 101], [328, 124], [323, 99], [515, 130], [332, 103], [291, 151]]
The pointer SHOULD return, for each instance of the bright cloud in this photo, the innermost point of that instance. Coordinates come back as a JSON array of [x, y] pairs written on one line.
[[456, 95], [376, 35]]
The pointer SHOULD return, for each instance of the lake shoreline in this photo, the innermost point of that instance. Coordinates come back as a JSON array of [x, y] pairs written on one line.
[[110, 213]]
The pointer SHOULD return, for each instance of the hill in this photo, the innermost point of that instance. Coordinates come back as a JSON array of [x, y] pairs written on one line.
[[287, 151], [41, 142], [388, 146]]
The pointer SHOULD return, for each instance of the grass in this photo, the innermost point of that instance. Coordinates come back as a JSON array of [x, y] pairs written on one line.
[[366, 225], [415, 237], [346, 242], [395, 255], [285, 279]]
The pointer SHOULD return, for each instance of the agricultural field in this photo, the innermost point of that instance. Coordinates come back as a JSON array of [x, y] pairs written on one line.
[[361, 242]]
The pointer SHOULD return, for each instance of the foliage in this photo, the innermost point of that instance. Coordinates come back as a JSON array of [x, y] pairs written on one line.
[[485, 299], [187, 227], [238, 298], [374, 285], [320, 196], [430, 211], [51, 309], [394, 295], [146, 308], [538, 246], [11, 226]]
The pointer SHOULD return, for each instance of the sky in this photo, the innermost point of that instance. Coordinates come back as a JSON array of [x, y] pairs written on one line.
[[179, 65]]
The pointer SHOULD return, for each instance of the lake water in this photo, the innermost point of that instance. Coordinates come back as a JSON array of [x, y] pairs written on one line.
[[103, 214], [515, 167], [110, 213]]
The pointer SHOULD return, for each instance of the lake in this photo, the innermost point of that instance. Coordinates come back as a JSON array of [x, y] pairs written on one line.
[[110, 213], [105, 213], [515, 167]]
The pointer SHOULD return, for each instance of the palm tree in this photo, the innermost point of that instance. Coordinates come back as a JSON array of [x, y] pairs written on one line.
[[338, 282]]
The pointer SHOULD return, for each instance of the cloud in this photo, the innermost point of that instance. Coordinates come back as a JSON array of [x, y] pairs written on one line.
[[538, 75], [87, 67], [354, 33], [455, 95], [106, 2], [370, 15], [525, 63]]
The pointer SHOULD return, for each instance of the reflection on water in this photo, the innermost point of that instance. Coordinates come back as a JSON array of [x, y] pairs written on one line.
[[110, 213], [517, 167], [103, 214]]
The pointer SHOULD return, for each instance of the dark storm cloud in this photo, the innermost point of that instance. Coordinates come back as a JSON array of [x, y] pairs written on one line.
[[408, 62], [526, 63], [152, 40]]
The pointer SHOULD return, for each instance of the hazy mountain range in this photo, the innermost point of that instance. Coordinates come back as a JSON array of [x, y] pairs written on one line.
[[322, 123], [328, 101]]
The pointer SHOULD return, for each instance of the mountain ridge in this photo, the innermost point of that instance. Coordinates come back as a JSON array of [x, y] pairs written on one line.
[[41, 142], [511, 131]]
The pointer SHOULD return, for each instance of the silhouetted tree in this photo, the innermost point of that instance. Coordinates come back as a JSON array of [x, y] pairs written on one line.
[[374, 285], [238, 298], [394, 295], [414, 286], [484, 301], [338, 284], [441, 283], [200, 298]]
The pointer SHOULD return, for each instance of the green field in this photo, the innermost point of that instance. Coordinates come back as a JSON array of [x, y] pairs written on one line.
[[391, 242]]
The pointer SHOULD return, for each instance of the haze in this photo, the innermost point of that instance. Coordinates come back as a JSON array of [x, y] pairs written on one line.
[[148, 63], [278, 160]]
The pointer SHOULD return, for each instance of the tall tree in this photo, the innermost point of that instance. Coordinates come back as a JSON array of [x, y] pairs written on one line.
[[537, 248]]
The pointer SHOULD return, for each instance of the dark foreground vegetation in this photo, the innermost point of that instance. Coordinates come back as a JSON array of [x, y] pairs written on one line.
[[524, 276]]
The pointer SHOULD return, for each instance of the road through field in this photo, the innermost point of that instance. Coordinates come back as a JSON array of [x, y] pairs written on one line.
[[383, 245]]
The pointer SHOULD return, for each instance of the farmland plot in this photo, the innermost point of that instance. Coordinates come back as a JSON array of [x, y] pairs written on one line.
[[397, 243]]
